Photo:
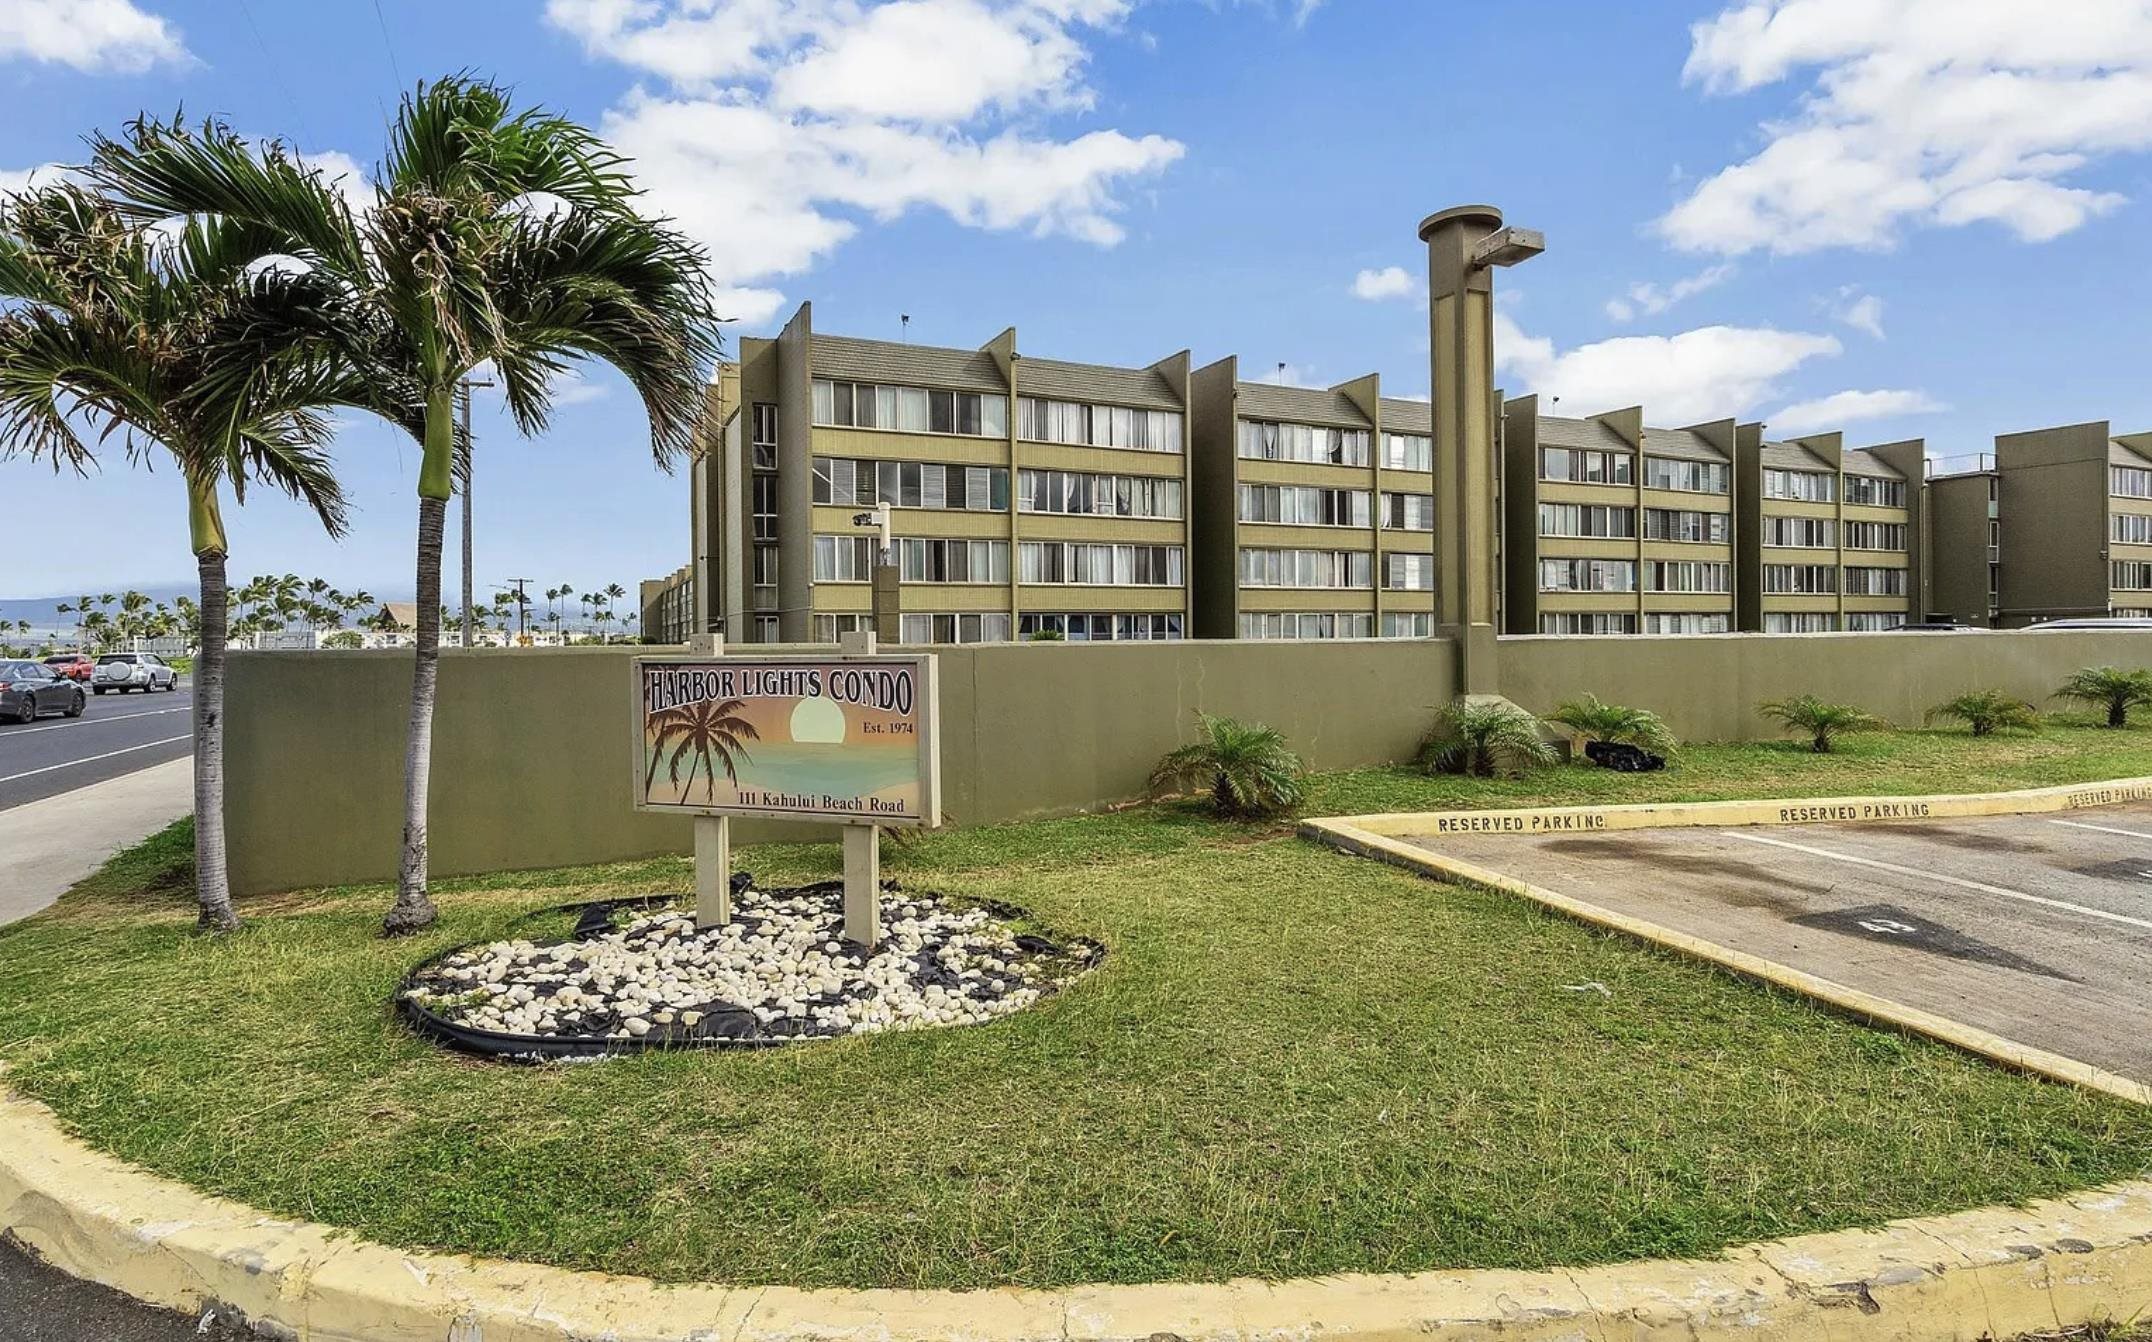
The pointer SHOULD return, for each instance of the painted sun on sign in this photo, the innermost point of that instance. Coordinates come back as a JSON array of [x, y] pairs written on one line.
[[842, 739]]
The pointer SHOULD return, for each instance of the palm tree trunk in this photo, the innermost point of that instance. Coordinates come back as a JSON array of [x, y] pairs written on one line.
[[413, 910], [212, 879], [2118, 713]]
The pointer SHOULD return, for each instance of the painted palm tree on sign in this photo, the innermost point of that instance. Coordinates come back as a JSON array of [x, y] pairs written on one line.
[[451, 267], [708, 734]]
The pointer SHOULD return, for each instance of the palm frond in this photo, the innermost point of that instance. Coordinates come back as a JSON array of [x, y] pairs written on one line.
[[1485, 737]]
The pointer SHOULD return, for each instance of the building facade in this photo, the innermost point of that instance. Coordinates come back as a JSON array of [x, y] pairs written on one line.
[[1828, 539]]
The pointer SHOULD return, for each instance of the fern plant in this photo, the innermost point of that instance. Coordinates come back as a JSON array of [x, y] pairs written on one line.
[[1822, 722], [2111, 688], [1245, 766], [1596, 720], [1987, 712], [1483, 737]]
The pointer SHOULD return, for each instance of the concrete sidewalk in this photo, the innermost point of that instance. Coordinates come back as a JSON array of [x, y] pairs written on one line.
[[48, 845]]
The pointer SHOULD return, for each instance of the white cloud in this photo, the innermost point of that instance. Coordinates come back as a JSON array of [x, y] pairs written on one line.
[[22, 179], [1708, 373], [1652, 299], [1389, 282], [93, 36], [574, 387], [1845, 407], [1923, 112], [1862, 312], [787, 120]]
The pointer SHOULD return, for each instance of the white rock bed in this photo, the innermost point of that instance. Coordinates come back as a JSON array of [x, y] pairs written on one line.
[[779, 971]]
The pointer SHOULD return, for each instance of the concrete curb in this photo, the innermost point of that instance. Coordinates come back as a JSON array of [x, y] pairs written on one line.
[[1948, 1278], [1375, 836]]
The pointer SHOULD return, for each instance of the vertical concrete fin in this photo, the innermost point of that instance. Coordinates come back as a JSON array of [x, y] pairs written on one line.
[[1003, 350], [1829, 446], [1722, 434], [1629, 423]]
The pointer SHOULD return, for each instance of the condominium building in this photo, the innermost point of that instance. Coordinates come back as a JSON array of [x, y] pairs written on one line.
[[1827, 538], [1964, 540], [1028, 497], [1315, 507], [1613, 527]]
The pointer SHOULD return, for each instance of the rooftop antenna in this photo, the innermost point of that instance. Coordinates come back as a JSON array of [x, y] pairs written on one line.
[[1281, 372], [904, 321]]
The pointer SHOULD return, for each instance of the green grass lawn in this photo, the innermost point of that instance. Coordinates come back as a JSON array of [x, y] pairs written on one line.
[[1291, 1063]]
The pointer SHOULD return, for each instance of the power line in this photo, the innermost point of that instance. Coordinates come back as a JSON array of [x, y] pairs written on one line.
[[390, 47], [274, 74]]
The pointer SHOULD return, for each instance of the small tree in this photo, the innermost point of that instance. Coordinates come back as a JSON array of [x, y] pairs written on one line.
[[2109, 687], [1246, 767], [1595, 720], [1987, 711], [343, 638], [1484, 738], [1821, 722]]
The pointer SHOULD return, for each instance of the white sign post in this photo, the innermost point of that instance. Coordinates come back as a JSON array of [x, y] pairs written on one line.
[[851, 739]]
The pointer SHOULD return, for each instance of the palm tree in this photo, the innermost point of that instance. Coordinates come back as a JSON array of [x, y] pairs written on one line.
[[1822, 722], [451, 269], [1246, 767], [708, 733], [1483, 736], [115, 332], [1595, 720], [1987, 711], [2109, 687]]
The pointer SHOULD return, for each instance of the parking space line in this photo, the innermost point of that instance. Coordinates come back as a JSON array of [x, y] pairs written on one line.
[[127, 750], [2104, 829], [92, 722], [1983, 888]]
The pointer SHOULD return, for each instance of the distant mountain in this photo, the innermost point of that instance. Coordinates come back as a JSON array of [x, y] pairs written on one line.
[[43, 616]]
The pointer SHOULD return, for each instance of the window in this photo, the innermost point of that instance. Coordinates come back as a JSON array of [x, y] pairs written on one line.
[[1876, 536], [765, 571], [765, 507], [1687, 575], [864, 405], [1408, 452], [1586, 519], [766, 630], [1084, 563], [1682, 524], [983, 627], [1587, 622], [1587, 575], [2132, 575], [1808, 486], [1408, 512], [953, 560], [1043, 421], [1800, 533], [1408, 572], [762, 435], [1306, 568], [1684, 622], [1800, 579], [1408, 624], [1083, 493], [2131, 482], [1304, 505], [1875, 491], [1306, 624], [2128, 528], [1690, 477], [1261, 440], [1799, 622], [827, 628], [1585, 467], [1104, 628], [1874, 621], [847, 482], [1874, 581], [843, 558]]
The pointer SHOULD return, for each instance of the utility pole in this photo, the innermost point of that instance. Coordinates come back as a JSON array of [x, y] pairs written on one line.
[[523, 607], [470, 465]]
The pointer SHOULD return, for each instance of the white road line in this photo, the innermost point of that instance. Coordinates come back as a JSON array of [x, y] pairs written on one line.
[[92, 759], [1947, 880], [92, 722], [2104, 829]]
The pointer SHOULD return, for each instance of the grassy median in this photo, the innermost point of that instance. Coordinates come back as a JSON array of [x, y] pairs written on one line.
[[1291, 1063]]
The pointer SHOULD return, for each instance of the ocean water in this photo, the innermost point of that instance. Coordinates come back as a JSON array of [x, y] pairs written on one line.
[[842, 771]]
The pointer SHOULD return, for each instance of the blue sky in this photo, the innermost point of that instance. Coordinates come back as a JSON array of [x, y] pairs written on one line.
[[1910, 218]]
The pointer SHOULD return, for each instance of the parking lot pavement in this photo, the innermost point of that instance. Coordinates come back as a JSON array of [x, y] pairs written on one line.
[[2037, 928], [43, 1304], [116, 734]]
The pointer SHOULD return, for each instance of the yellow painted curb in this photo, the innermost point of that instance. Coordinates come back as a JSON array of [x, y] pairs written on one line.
[[1950, 1278]]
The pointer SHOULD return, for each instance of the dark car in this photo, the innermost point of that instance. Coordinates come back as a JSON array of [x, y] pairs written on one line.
[[30, 688], [73, 665]]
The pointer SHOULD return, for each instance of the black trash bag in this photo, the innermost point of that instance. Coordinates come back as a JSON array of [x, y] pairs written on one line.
[[1622, 757], [596, 921]]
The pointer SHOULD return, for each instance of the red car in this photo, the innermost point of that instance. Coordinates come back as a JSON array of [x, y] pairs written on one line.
[[73, 665]]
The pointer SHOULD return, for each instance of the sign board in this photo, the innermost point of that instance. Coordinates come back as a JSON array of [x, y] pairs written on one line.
[[845, 739]]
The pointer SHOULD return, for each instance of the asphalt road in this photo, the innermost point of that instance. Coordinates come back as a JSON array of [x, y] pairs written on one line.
[[117, 734], [41, 1304]]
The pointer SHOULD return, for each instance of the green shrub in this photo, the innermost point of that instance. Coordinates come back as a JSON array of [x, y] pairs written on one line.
[[1823, 723], [1483, 737], [1595, 720], [2111, 688], [1987, 712], [1245, 766], [1048, 636]]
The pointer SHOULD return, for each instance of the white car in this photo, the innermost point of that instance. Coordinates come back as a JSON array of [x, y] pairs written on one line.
[[124, 671]]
